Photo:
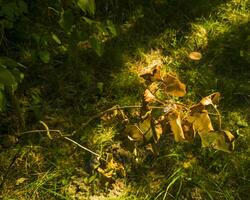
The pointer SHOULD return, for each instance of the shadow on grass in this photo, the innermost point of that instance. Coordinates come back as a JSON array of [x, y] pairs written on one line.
[[229, 55]]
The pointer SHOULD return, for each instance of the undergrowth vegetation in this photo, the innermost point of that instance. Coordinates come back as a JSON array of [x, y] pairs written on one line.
[[119, 99]]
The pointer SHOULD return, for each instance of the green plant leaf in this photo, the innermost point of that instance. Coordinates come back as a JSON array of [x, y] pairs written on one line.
[[2, 101], [18, 75], [10, 63], [67, 20], [87, 6], [89, 21], [22, 7], [55, 38], [6, 77], [44, 56], [9, 9], [97, 46], [111, 28]]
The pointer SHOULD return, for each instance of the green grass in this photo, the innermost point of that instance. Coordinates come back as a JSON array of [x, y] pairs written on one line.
[[161, 30]]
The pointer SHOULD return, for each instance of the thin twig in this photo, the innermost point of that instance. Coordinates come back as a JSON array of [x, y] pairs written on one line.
[[61, 136], [47, 129], [102, 113], [85, 148], [34, 131]]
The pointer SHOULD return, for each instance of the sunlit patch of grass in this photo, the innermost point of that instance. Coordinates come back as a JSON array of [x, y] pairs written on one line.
[[198, 37], [174, 173], [102, 137], [43, 186], [234, 11]]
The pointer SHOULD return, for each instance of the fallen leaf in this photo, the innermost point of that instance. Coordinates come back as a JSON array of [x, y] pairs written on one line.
[[20, 180], [151, 73], [134, 133], [148, 96], [195, 55], [175, 123], [139, 132], [112, 168], [173, 86], [157, 130], [153, 87]]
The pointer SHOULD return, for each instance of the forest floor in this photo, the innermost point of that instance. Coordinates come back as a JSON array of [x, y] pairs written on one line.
[[38, 167]]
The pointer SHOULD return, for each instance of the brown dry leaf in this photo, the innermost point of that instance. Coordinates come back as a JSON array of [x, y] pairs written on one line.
[[211, 99], [173, 86], [197, 108], [168, 108], [146, 127], [157, 130], [149, 147], [220, 140], [109, 115], [201, 122], [151, 73], [139, 132], [153, 87], [188, 130], [107, 174], [195, 55], [134, 133], [148, 96], [175, 123], [112, 168]]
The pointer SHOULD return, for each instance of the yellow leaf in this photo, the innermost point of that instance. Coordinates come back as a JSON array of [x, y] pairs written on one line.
[[157, 131], [195, 55], [211, 99], [188, 130], [148, 96], [220, 140], [153, 87], [20, 180], [201, 122], [151, 73], [173, 86], [134, 133], [175, 123]]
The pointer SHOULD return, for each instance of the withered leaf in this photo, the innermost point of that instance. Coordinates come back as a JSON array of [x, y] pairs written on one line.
[[197, 108], [211, 99], [148, 96], [220, 140], [139, 132], [175, 123], [170, 107], [195, 55], [157, 130], [134, 133], [145, 127], [188, 130], [173, 86], [112, 167], [201, 122], [153, 87], [151, 73]]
